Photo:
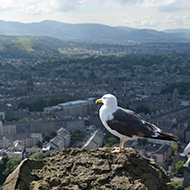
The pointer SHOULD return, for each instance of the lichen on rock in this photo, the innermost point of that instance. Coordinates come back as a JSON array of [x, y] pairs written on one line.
[[89, 169]]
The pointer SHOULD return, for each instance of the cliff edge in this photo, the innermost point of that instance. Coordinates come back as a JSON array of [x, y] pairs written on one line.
[[89, 169]]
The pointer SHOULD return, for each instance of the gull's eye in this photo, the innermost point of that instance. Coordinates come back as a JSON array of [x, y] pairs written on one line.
[[104, 98]]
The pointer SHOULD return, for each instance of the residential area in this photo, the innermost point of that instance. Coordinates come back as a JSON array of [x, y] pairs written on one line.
[[78, 83]]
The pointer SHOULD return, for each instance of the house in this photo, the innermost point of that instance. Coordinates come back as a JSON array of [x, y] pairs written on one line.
[[147, 151], [187, 135], [187, 149], [95, 141], [29, 139], [61, 141], [160, 155], [163, 154], [42, 125], [186, 173], [16, 150]]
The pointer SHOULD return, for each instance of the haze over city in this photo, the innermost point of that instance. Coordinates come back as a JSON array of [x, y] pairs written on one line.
[[151, 14]]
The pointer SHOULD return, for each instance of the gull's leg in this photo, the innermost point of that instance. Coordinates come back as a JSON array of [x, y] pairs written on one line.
[[117, 150], [121, 144]]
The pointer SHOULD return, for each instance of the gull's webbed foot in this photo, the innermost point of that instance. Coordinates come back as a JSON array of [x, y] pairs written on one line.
[[116, 150]]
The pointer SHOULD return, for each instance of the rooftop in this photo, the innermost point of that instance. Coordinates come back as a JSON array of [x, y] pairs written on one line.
[[74, 103]]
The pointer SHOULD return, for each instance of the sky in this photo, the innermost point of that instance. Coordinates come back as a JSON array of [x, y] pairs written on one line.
[[151, 14]]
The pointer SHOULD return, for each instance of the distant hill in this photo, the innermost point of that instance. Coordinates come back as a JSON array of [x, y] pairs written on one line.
[[49, 41], [186, 31], [28, 50], [89, 32]]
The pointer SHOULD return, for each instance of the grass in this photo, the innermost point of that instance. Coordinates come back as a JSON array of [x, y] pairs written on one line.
[[63, 52], [1, 47]]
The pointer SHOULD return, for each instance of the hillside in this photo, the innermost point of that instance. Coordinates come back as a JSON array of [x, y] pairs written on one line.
[[89, 169], [186, 31], [28, 50], [89, 32]]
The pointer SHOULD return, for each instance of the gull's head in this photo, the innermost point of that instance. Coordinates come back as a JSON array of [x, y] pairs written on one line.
[[108, 100]]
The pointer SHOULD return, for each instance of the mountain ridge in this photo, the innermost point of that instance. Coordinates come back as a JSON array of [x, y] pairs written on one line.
[[177, 30], [89, 32]]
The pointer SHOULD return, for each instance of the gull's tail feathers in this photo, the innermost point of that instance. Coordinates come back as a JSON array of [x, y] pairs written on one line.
[[166, 136]]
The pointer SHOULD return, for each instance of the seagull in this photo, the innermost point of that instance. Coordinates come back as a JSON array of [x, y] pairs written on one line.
[[126, 124]]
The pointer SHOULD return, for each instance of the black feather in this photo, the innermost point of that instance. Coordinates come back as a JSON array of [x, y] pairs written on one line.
[[128, 123]]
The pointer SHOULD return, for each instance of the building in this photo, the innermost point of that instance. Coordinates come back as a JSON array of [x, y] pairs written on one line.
[[153, 88], [16, 150], [42, 125], [2, 115], [187, 135], [187, 149], [61, 141], [186, 173], [95, 141], [163, 154], [73, 108], [30, 85], [10, 129], [158, 141], [28, 139], [65, 135]]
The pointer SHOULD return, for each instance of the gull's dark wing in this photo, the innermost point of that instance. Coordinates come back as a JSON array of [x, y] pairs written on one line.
[[128, 123]]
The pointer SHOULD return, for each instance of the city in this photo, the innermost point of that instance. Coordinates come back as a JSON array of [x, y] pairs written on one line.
[[144, 78]]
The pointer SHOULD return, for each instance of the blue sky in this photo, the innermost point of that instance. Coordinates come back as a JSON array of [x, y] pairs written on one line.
[[152, 14]]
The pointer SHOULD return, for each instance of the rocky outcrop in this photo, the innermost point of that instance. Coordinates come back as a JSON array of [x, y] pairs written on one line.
[[89, 169]]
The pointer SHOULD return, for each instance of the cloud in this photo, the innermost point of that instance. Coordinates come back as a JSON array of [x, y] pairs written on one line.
[[52, 6], [160, 5], [41, 6], [144, 22], [129, 1], [174, 20]]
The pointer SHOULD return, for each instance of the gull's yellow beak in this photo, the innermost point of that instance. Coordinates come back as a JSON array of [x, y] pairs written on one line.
[[98, 101]]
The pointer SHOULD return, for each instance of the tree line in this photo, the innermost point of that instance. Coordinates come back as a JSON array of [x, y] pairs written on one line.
[[38, 104]]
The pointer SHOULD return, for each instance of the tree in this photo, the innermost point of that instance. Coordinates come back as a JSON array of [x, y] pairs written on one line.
[[142, 109], [38, 104], [55, 101], [53, 134], [110, 139], [11, 165], [174, 148], [37, 155], [177, 185], [179, 167], [76, 136], [188, 188], [47, 137], [144, 141], [188, 124], [3, 162], [39, 144]]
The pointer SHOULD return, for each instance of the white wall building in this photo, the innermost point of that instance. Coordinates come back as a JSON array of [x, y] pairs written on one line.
[[7, 129], [29, 139], [73, 108], [157, 141]]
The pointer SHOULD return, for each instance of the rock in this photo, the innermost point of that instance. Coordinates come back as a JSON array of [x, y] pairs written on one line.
[[89, 169]]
